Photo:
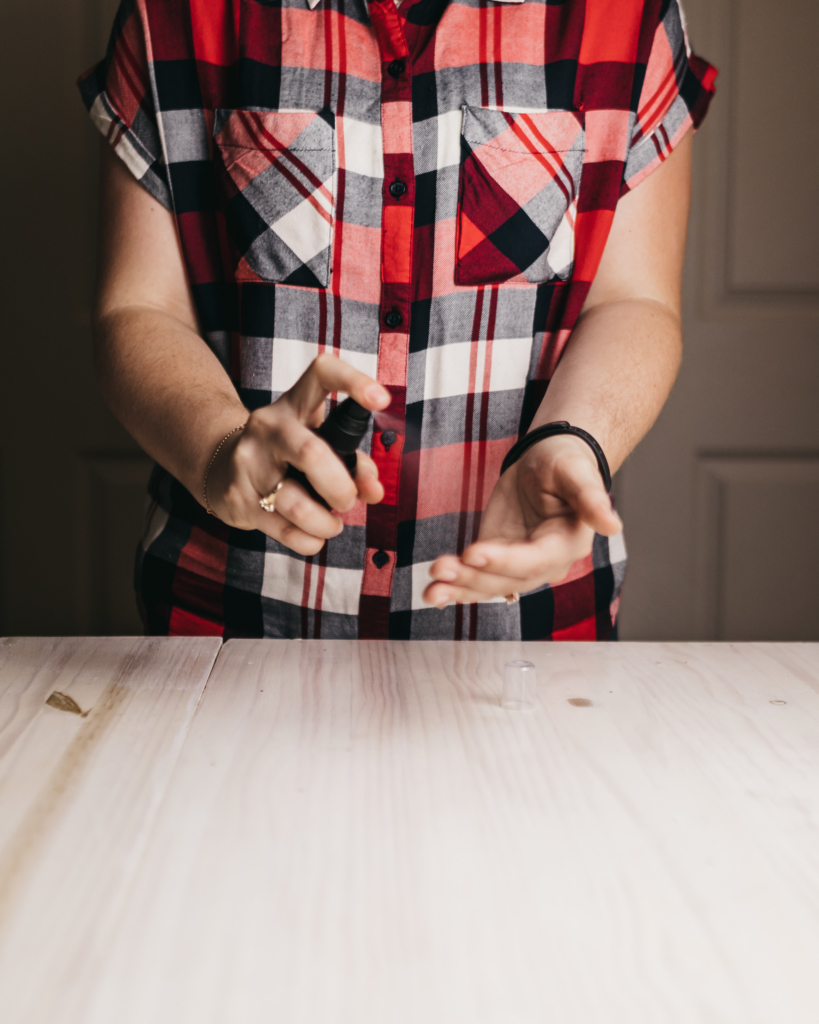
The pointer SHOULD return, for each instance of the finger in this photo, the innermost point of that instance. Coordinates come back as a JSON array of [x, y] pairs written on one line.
[[593, 507], [298, 508], [440, 595], [327, 374], [528, 565], [579, 483], [452, 571], [238, 506], [291, 536], [547, 557], [369, 486], [294, 444]]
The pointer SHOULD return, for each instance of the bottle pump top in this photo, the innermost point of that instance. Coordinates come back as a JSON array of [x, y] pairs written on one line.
[[345, 426]]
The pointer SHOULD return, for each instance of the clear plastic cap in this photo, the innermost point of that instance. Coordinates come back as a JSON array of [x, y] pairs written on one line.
[[519, 682]]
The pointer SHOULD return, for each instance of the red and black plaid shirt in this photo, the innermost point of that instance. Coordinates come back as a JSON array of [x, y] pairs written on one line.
[[425, 191]]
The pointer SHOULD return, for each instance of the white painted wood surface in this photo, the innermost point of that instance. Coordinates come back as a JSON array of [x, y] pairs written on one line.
[[81, 779], [357, 832]]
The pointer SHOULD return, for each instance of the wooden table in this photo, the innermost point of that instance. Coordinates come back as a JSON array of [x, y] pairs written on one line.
[[337, 832]]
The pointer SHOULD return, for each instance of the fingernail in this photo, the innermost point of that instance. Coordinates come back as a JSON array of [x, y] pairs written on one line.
[[443, 600], [446, 576], [376, 394], [476, 561]]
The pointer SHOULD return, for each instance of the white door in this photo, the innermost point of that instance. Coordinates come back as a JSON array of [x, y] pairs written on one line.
[[721, 501]]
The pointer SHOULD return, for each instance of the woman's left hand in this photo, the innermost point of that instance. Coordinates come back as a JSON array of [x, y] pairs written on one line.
[[541, 518]]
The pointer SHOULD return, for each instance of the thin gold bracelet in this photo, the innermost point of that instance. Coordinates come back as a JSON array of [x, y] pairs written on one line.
[[219, 446]]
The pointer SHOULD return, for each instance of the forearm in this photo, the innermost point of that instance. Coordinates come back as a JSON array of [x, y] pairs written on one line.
[[173, 395], [616, 373], [166, 387]]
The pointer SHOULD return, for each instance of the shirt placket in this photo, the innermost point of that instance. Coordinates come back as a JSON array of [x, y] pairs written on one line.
[[397, 218]]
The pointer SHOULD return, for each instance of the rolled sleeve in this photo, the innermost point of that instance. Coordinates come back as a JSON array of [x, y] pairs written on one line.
[[675, 95], [119, 97]]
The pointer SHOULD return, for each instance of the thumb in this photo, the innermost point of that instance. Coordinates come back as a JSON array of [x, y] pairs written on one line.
[[582, 487]]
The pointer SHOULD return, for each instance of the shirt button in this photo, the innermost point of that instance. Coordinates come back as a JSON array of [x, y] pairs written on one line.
[[393, 319], [397, 189], [396, 69], [388, 438], [380, 559]]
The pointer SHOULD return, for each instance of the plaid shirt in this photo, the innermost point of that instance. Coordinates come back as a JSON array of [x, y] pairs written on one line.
[[425, 191]]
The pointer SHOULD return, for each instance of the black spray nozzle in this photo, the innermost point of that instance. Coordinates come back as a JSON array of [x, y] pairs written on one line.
[[342, 430], [345, 426]]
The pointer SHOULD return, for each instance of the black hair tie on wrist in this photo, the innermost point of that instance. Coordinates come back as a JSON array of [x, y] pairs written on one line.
[[550, 430]]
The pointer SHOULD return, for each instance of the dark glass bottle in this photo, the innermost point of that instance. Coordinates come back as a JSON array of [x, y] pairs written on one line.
[[342, 430]]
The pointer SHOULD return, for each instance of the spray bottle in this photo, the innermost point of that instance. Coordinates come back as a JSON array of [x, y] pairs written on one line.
[[342, 430]]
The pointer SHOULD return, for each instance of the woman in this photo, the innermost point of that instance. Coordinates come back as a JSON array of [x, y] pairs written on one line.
[[433, 208]]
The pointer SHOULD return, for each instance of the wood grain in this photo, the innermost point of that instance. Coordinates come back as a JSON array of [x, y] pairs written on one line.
[[89, 732], [357, 832]]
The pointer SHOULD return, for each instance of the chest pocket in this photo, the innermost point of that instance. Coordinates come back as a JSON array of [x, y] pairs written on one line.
[[278, 176], [517, 203]]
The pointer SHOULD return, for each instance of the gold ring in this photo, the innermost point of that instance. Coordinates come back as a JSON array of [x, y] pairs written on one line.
[[512, 598], [268, 503]]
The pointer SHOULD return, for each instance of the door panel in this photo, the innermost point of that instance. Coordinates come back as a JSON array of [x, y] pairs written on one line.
[[758, 548], [773, 244]]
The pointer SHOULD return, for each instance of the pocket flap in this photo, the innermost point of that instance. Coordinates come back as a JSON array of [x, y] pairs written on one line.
[[296, 130], [520, 174], [552, 131], [279, 182]]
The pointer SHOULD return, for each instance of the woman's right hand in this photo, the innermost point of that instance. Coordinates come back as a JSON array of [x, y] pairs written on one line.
[[279, 435]]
